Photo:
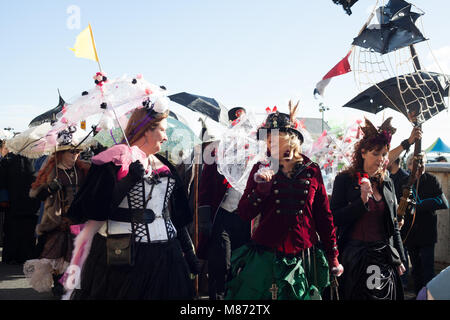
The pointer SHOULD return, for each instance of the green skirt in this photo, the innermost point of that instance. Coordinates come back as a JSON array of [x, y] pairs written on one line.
[[258, 274]]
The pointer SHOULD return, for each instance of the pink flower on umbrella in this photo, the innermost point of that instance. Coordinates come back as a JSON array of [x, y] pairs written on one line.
[[100, 78]]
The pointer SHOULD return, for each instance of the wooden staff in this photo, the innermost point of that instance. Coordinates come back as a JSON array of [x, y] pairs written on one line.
[[407, 190], [196, 173]]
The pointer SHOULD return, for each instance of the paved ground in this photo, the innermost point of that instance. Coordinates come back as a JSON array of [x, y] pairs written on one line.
[[14, 285]]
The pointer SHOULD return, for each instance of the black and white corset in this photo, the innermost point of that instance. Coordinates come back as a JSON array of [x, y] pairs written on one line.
[[161, 229]]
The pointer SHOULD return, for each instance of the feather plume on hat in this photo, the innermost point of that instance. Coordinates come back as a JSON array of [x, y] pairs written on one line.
[[293, 111]]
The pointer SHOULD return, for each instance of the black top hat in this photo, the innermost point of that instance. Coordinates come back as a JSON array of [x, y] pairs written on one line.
[[280, 121], [232, 114]]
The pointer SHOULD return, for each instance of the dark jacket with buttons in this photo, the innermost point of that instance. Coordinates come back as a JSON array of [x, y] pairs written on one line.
[[293, 212], [347, 207]]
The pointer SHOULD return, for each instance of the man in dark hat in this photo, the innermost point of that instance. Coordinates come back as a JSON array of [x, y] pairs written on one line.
[[221, 229]]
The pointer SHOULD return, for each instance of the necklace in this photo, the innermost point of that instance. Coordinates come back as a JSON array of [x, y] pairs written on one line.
[[74, 186]]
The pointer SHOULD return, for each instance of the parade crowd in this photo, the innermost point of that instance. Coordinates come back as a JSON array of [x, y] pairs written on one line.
[[92, 223]]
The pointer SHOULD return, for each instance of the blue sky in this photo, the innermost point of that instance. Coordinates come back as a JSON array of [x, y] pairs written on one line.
[[243, 53]]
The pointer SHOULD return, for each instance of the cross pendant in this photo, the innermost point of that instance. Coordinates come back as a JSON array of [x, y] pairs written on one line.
[[274, 291]]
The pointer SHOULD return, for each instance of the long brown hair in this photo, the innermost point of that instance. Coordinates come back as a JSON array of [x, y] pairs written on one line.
[[49, 167], [140, 122], [357, 164]]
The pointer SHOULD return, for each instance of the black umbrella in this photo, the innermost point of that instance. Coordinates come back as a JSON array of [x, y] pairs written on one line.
[[346, 4], [396, 30], [49, 115], [204, 105], [420, 93]]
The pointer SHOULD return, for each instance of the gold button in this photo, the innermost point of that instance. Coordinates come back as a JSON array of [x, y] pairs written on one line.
[[300, 212], [278, 211], [307, 182], [302, 202], [308, 175], [275, 182], [117, 251], [305, 191], [259, 200], [276, 191], [255, 204], [277, 201]]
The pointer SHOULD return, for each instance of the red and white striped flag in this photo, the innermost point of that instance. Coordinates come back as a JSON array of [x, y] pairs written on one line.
[[342, 67]]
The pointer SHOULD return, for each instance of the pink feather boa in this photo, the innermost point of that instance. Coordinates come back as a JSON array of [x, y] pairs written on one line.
[[71, 278]]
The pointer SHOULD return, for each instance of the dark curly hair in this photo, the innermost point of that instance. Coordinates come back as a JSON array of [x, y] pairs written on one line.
[[374, 139]]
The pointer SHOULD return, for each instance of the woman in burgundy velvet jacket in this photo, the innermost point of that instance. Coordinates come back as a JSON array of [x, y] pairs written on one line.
[[285, 259]]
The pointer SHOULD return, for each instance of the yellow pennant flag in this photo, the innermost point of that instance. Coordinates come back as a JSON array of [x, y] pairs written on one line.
[[85, 46]]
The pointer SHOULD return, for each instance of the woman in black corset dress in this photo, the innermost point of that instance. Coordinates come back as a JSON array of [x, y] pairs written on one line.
[[139, 206], [364, 208]]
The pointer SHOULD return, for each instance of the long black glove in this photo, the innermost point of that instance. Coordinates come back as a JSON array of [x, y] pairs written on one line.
[[188, 249], [53, 187], [135, 173]]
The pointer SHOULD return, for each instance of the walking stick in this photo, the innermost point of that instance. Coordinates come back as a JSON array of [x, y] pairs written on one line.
[[196, 170], [334, 288]]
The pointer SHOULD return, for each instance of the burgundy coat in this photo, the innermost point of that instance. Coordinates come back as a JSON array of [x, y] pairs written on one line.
[[212, 188], [293, 211], [211, 192]]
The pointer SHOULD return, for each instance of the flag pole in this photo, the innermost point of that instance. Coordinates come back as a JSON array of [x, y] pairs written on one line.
[[100, 68], [95, 48]]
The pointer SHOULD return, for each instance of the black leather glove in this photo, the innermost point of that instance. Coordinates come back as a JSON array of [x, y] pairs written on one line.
[[136, 171], [205, 220], [54, 186], [193, 262], [188, 250]]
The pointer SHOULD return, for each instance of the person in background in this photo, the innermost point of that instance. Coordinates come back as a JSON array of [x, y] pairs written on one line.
[[16, 177], [419, 231], [56, 185], [441, 159], [3, 149], [3, 195], [221, 228]]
